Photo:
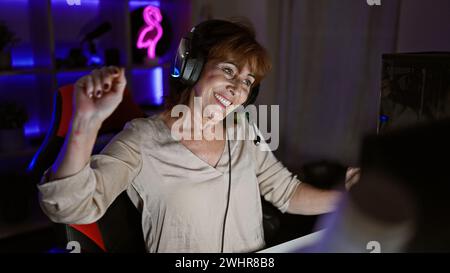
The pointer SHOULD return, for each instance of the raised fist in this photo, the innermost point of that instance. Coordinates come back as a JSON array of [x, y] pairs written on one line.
[[98, 94]]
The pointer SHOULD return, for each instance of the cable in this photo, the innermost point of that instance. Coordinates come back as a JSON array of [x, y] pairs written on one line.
[[256, 142], [229, 192]]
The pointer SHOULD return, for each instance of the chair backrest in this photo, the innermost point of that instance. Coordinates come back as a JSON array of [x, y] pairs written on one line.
[[119, 230]]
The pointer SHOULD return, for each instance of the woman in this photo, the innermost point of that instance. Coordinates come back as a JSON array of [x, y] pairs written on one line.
[[196, 195]]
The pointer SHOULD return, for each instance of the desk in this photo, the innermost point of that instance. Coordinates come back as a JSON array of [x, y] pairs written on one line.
[[296, 244]]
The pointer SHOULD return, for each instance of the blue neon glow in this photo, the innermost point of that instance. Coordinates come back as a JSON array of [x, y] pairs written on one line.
[[135, 4], [46, 140], [175, 73], [22, 57], [19, 2], [384, 118], [149, 86], [57, 250], [157, 85], [33, 161], [95, 60], [32, 128], [22, 62], [27, 97], [82, 2], [70, 77]]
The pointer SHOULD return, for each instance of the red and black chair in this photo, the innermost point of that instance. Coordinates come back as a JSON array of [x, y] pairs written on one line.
[[119, 230]]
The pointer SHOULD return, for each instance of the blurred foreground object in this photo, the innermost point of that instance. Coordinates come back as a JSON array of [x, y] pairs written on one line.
[[401, 203]]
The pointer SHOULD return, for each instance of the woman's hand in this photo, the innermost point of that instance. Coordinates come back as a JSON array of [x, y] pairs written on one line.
[[98, 94], [352, 177]]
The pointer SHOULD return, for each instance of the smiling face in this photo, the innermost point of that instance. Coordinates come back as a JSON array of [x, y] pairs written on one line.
[[222, 87]]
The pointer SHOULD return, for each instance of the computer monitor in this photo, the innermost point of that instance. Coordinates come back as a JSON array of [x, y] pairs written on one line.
[[415, 89]]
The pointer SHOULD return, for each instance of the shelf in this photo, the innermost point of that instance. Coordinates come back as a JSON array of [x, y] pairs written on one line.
[[75, 70], [49, 29], [88, 69], [143, 67]]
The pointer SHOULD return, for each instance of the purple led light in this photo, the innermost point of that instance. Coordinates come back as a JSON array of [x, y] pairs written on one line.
[[135, 4], [151, 86]]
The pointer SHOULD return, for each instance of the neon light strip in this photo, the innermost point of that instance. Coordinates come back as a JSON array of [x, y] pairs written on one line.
[[157, 85], [138, 4], [150, 90], [82, 2]]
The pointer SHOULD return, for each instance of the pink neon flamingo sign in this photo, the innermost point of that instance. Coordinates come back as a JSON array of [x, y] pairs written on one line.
[[152, 17]]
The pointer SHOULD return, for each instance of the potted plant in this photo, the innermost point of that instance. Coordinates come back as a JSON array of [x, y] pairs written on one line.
[[12, 120], [7, 40]]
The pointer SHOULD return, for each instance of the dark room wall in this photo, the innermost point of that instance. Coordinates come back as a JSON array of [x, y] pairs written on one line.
[[327, 64], [424, 26]]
